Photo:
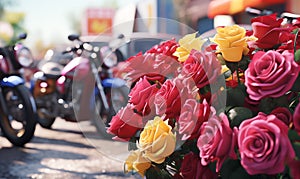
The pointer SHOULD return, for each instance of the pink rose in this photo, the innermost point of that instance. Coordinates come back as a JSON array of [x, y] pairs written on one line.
[[268, 31], [167, 100], [283, 114], [125, 124], [203, 67], [192, 116], [216, 141], [141, 94], [192, 168], [296, 118], [264, 145], [270, 74]]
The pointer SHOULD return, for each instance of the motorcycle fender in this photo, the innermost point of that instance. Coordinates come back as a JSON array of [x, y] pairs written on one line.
[[113, 82], [11, 81]]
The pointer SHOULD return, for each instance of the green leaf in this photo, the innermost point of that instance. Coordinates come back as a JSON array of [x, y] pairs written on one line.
[[297, 55], [268, 104], [296, 146], [132, 143], [232, 169], [238, 114], [154, 172], [293, 135], [235, 97], [296, 85]]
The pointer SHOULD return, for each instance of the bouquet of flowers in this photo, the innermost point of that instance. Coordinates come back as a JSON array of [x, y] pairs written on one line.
[[228, 109]]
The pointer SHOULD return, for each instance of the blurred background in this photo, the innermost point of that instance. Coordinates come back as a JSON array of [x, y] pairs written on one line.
[[49, 22]]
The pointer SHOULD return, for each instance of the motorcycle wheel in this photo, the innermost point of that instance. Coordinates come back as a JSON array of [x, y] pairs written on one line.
[[44, 120], [118, 99], [19, 125]]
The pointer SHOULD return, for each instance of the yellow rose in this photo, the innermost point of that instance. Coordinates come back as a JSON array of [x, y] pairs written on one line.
[[231, 42], [157, 140], [135, 161], [186, 45]]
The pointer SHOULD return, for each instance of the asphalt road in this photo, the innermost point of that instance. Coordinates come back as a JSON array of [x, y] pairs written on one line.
[[68, 150]]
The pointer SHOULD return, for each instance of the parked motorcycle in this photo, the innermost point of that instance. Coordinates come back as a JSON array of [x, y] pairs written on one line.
[[17, 106], [85, 88]]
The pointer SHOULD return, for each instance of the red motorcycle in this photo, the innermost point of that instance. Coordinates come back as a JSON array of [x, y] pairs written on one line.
[[84, 89]]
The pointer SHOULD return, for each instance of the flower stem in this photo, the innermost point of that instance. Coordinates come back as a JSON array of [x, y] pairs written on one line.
[[237, 73]]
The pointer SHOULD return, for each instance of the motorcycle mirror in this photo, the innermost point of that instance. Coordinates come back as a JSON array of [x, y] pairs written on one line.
[[22, 36], [73, 37]]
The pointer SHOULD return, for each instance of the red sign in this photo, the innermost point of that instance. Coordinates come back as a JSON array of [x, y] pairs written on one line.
[[98, 21]]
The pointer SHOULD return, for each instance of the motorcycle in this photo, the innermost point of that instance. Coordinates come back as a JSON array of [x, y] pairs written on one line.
[[17, 106], [85, 88]]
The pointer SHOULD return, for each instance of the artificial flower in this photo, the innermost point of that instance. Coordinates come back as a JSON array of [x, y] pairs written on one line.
[[270, 74], [264, 145], [192, 116], [125, 123], [216, 140], [268, 31], [136, 162], [186, 45], [141, 95], [203, 67], [192, 168], [231, 42], [227, 110], [157, 140], [283, 114]]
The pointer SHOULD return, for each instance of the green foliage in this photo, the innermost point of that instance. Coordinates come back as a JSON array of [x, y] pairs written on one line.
[[155, 172], [237, 115], [236, 96], [268, 104], [297, 55]]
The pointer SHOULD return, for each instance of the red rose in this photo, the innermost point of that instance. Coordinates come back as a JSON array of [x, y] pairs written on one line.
[[166, 48], [216, 141], [264, 145], [141, 94], [270, 74], [163, 64], [203, 67], [169, 97], [192, 116], [125, 123], [283, 114], [294, 169], [154, 66], [267, 29], [296, 118], [167, 100], [192, 168]]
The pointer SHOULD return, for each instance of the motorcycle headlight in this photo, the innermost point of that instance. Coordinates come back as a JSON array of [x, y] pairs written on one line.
[[25, 57], [109, 57]]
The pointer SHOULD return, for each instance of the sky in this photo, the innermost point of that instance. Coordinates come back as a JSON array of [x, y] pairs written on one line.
[[49, 20]]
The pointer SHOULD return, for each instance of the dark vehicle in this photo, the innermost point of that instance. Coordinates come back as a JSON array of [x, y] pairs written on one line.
[[17, 106]]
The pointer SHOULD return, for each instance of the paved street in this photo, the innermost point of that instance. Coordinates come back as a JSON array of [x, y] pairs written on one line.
[[69, 150]]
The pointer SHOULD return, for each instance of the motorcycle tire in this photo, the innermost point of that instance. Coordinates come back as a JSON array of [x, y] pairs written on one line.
[[21, 111], [45, 121], [118, 99]]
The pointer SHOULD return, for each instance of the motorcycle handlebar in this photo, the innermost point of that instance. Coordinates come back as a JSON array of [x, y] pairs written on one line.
[[83, 46], [257, 12]]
